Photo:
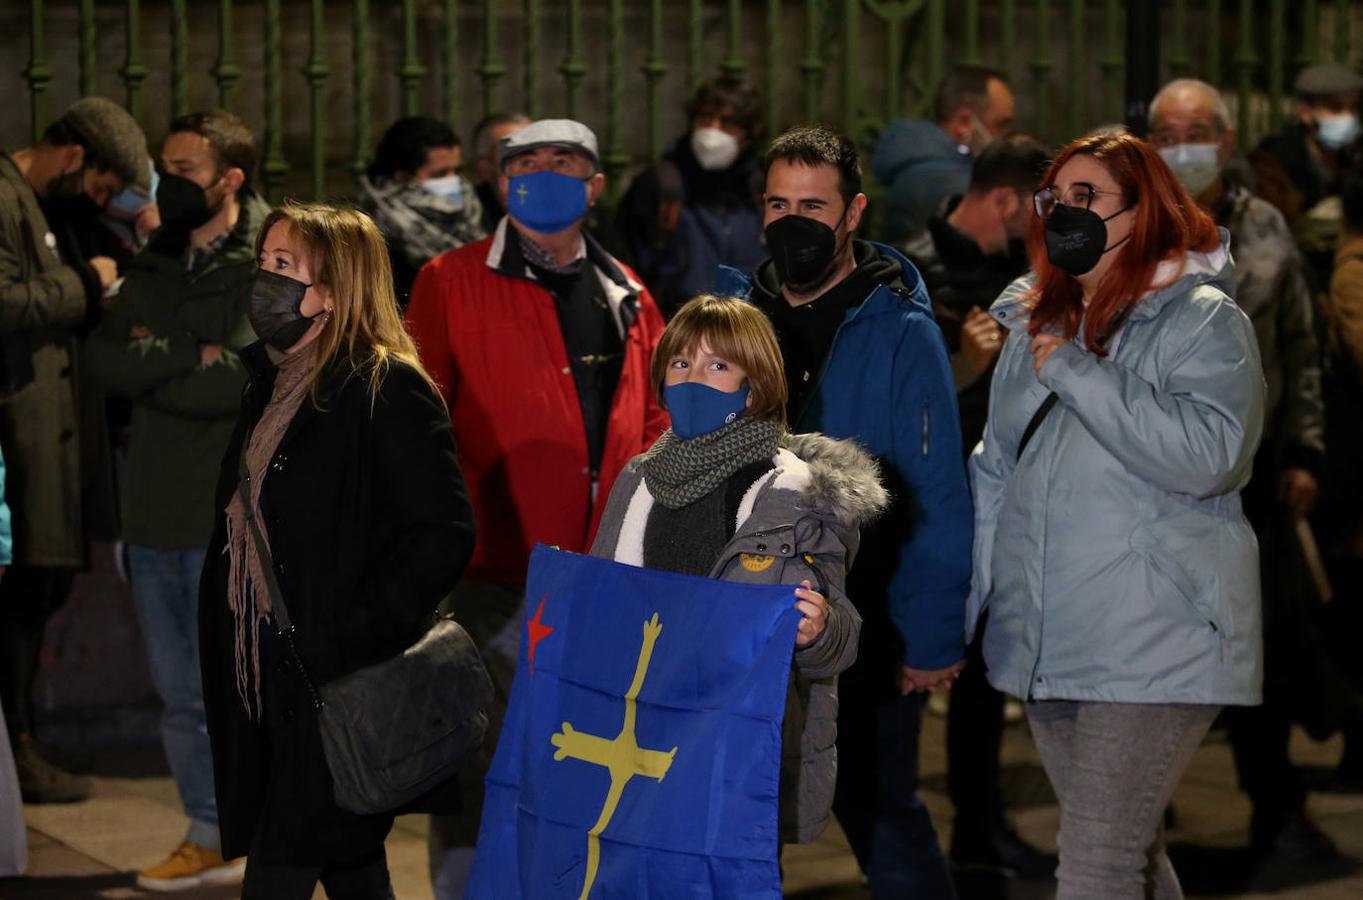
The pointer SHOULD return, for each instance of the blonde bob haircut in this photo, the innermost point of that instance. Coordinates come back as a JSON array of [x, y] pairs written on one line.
[[736, 331], [346, 253]]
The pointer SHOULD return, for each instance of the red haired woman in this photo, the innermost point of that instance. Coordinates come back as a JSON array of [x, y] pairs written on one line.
[[1112, 560]]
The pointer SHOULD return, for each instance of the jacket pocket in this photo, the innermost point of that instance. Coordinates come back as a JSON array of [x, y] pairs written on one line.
[[1173, 572]]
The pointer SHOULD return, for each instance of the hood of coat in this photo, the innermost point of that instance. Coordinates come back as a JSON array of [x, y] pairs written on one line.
[[833, 476], [1178, 277], [907, 143]]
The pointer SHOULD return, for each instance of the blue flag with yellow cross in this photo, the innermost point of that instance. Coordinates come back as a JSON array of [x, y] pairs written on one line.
[[641, 751]]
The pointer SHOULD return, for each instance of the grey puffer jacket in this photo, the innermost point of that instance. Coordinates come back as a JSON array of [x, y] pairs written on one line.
[[809, 507]]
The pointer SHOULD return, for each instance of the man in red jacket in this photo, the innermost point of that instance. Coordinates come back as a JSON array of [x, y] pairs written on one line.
[[540, 341]]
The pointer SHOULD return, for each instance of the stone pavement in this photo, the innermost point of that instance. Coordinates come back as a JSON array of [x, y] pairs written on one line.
[[92, 850]]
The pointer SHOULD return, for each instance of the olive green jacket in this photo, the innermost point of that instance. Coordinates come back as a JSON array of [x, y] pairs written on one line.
[[42, 301], [183, 411]]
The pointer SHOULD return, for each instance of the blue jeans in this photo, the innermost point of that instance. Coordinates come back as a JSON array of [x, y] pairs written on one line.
[[166, 591]]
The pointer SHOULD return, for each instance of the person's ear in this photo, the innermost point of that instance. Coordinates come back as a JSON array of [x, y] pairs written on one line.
[[595, 185], [1006, 202], [233, 179], [72, 158], [503, 186], [855, 209], [1305, 113]]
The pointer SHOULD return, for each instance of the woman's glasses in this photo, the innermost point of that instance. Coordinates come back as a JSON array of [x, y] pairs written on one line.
[[1080, 194]]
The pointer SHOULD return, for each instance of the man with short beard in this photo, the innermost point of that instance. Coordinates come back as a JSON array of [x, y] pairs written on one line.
[[865, 360], [95, 149], [169, 343]]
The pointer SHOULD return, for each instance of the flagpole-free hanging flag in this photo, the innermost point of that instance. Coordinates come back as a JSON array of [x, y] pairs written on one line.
[[641, 750]]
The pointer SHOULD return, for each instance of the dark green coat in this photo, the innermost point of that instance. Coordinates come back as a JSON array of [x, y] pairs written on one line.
[[42, 301], [183, 412]]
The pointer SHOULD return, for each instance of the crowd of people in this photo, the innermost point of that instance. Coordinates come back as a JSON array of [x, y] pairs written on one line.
[[1081, 429]]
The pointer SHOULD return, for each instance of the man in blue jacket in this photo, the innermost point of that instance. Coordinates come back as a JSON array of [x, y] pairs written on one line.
[[865, 360]]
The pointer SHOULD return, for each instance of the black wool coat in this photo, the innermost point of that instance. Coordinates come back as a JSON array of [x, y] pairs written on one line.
[[370, 526]]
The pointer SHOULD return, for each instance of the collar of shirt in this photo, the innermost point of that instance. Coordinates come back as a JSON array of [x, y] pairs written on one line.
[[197, 257], [541, 258]]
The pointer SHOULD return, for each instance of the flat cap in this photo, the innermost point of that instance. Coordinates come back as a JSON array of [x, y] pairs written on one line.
[[551, 133], [1327, 78], [112, 135]]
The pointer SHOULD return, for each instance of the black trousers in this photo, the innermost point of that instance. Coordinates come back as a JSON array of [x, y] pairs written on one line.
[[974, 742], [365, 878], [29, 596], [1259, 735]]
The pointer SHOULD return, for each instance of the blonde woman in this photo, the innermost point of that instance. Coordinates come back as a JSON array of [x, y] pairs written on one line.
[[349, 466]]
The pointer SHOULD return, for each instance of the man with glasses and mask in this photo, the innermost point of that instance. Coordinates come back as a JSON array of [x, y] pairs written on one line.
[[865, 360], [925, 162], [169, 343], [94, 150], [1191, 128], [540, 342]]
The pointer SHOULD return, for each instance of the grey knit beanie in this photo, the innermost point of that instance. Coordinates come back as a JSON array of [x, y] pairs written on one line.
[[113, 135]]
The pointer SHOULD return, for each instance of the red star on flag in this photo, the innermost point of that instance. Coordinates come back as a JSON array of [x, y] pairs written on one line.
[[536, 631]]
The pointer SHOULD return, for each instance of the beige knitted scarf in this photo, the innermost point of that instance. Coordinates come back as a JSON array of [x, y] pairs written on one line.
[[248, 594]]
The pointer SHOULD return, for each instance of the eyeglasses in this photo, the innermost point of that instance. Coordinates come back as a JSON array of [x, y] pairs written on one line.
[[1048, 198]]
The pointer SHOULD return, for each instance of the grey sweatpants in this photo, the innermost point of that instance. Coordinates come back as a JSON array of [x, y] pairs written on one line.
[[1114, 767]]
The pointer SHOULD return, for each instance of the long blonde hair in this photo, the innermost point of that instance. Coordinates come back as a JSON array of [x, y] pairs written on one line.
[[347, 253]]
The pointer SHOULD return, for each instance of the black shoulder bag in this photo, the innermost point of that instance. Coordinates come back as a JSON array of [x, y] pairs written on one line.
[[394, 730]]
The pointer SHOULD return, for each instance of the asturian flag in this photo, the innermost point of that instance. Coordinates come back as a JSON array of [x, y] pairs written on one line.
[[641, 750]]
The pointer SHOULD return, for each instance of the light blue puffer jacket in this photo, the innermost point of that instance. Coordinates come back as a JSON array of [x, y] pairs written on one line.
[[1113, 559]]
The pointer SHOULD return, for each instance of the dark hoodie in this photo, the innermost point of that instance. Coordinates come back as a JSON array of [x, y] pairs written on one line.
[[806, 332], [922, 165], [679, 222]]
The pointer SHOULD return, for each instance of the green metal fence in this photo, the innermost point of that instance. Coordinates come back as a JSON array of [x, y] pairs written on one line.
[[853, 62]]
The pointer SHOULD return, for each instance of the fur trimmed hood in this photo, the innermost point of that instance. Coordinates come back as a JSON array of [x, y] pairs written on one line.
[[843, 478]]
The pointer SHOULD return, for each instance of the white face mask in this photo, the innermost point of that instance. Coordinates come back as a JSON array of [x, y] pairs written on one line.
[[450, 189], [714, 148], [1334, 131], [1195, 165]]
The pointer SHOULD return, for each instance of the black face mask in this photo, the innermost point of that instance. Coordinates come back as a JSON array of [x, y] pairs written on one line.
[[1077, 238], [275, 309], [803, 250], [182, 203]]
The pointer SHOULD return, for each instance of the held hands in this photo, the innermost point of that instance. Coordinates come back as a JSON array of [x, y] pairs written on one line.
[[981, 340], [1043, 345], [209, 354], [814, 609], [929, 680]]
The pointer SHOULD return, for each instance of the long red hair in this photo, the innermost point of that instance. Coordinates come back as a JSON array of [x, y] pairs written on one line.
[[1168, 224]]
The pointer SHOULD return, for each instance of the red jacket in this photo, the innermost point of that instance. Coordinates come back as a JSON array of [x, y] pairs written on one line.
[[489, 335]]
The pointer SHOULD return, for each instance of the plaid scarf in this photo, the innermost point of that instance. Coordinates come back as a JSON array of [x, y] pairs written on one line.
[[416, 222]]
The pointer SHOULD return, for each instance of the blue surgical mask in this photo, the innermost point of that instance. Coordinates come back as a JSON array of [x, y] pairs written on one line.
[[130, 201], [698, 409], [1335, 131], [450, 189], [547, 202], [1195, 165]]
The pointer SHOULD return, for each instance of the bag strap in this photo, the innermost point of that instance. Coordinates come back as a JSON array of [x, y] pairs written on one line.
[[278, 608], [1052, 398], [1037, 418]]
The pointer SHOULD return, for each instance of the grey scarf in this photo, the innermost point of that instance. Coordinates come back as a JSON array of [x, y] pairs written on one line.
[[680, 472], [419, 223]]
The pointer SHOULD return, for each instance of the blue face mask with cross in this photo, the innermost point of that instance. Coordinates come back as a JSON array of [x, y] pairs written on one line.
[[547, 202]]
